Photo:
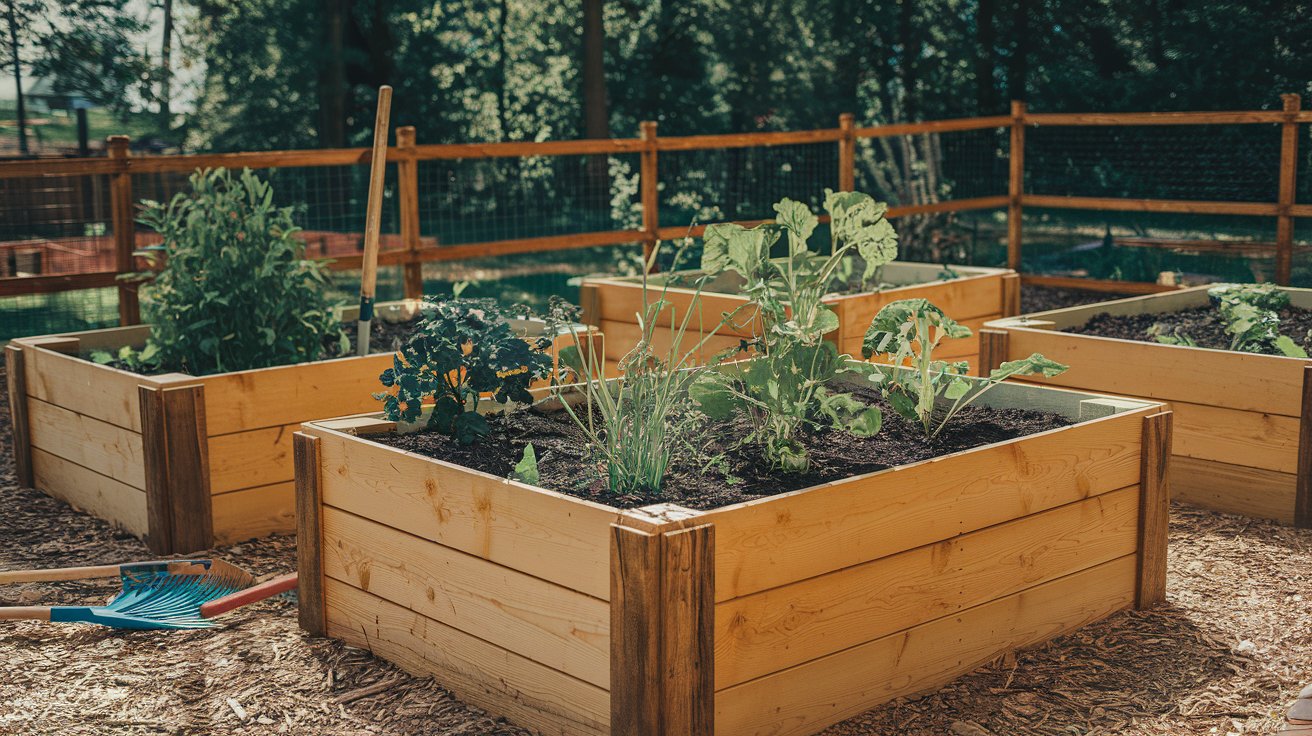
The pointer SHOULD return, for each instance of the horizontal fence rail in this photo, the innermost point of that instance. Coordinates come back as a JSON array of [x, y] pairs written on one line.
[[431, 183]]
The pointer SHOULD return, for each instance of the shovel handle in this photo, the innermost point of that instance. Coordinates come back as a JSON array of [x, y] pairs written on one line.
[[25, 613], [266, 589], [60, 573]]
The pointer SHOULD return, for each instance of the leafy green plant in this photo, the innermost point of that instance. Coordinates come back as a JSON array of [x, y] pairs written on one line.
[[463, 352], [1251, 313], [234, 292], [636, 421], [786, 389], [931, 392]]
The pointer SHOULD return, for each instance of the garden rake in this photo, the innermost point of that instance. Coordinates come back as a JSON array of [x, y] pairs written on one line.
[[165, 594]]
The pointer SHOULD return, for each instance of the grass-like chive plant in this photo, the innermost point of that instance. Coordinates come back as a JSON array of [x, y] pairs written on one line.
[[786, 388], [234, 292], [635, 422], [464, 352], [1252, 319], [931, 392]]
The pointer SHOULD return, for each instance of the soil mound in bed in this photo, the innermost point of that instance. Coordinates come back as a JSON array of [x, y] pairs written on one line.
[[1203, 324], [713, 473]]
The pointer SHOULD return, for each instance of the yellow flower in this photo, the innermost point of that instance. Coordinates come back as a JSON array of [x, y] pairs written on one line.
[[513, 372]]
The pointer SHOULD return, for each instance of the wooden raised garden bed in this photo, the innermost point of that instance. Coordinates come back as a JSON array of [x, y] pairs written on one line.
[[778, 616], [184, 462], [1243, 436], [977, 296]]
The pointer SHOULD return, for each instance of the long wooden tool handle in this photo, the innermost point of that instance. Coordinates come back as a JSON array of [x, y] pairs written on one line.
[[267, 589], [25, 613], [373, 217], [60, 573]]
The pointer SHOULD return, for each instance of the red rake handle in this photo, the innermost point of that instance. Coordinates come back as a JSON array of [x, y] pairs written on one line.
[[266, 589]]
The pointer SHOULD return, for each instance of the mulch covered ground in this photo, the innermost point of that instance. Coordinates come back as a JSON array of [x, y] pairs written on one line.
[[1226, 655]]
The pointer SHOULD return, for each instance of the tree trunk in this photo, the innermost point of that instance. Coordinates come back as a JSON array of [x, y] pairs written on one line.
[[503, 84], [18, 80], [166, 70], [332, 76], [596, 118], [910, 58], [986, 36], [1018, 66]]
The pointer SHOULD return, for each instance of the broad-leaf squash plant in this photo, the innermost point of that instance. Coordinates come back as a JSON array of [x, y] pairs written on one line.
[[786, 388], [1252, 319], [234, 292], [932, 392]]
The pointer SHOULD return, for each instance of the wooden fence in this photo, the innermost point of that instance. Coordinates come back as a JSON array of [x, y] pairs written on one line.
[[120, 168]]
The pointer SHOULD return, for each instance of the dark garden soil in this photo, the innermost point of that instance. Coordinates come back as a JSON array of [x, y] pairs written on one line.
[[384, 337], [1225, 655], [1043, 298], [717, 472], [1203, 324]]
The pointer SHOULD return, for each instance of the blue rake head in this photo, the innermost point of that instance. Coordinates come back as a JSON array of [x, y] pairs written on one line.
[[161, 595]]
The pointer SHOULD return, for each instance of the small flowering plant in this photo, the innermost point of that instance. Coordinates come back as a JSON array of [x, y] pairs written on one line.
[[464, 352]]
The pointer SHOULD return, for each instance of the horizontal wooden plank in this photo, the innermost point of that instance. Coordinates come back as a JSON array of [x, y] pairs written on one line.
[[621, 301], [97, 391], [1106, 285], [811, 696], [105, 448], [1248, 438], [89, 491], [775, 541], [526, 245], [254, 512], [935, 126], [1184, 206], [516, 149], [1244, 381], [558, 627], [290, 394], [1234, 489], [743, 140], [55, 283], [552, 536], [951, 205], [479, 673], [786, 626], [621, 337], [248, 459], [1237, 117]]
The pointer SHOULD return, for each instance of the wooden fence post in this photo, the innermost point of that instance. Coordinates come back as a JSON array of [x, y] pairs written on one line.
[[1288, 178], [662, 632], [1154, 510], [847, 153], [407, 182], [1016, 184], [125, 238], [312, 614], [16, 375], [650, 190]]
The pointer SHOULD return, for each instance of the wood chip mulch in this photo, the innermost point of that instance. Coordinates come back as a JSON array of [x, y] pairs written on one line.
[[1227, 655]]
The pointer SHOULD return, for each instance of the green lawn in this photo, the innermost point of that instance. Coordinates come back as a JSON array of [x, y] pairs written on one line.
[[59, 130]]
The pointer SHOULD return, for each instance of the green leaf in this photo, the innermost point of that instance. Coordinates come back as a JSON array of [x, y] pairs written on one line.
[[1036, 364], [825, 321], [526, 470], [957, 388], [1289, 348], [103, 357], [797, 219], [470, 427], [867, 423], [714, 394], [904, 405]]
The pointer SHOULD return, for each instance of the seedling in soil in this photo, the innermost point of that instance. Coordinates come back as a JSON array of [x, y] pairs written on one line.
[[1252, 319], [932, 392]]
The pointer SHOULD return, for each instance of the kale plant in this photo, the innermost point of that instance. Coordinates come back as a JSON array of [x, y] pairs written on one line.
[[234, 292], [463, 352], [931, 392], [1251, 313], [786, 389]]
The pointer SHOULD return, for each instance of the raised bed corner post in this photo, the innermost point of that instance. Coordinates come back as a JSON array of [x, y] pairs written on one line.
[[125, 237], [407, 179], [650, 191], [16, 377], [1303, 482], [992, 350], [847, 152], [175, 444], [662, 669], [1016, 184], [1288, 178], [1154, 510], [1010, 295], [312, 611]]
